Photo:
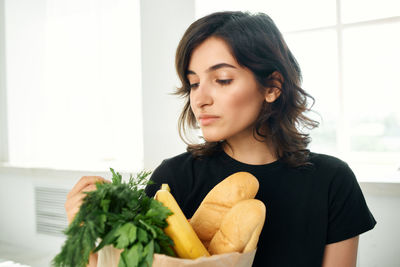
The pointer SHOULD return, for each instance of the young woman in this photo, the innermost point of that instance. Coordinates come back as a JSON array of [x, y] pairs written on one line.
[[242, 89]]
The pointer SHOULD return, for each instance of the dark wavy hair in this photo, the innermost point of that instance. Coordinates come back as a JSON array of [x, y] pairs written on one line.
[[256, 44]]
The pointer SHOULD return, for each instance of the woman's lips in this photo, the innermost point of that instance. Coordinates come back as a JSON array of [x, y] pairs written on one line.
[[207, 120]]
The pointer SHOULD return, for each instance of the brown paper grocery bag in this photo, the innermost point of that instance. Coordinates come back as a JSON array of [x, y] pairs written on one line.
[[109, 257], [234, 259]]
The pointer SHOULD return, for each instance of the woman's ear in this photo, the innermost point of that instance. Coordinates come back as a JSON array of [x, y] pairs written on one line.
[[274, 87]]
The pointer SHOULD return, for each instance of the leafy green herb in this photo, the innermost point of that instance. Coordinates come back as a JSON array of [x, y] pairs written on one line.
[[122, 215]]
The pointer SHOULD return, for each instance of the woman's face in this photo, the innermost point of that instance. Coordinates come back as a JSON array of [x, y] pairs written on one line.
[[224, 96]]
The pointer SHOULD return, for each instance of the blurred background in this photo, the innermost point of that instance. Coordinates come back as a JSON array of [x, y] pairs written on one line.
[[86, 85]]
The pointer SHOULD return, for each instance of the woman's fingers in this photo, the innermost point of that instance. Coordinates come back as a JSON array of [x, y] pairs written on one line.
[[77, 194], [72, 213], [83, 182], [72, 206], [74, 201], [89, 188]]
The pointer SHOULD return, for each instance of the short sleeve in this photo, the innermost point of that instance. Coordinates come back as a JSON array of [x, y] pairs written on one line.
[[349, 214]]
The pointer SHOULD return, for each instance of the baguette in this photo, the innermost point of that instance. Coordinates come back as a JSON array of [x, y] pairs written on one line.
[[208, 217], [240, 228]]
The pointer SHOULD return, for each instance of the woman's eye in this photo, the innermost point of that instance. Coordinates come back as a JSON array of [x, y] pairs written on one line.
[[194, 86], [224, 82]]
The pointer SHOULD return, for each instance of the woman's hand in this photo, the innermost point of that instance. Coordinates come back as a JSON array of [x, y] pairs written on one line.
[[76, 195], [74, 201]]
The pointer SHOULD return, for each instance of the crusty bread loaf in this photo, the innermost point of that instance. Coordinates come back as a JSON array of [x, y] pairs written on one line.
[[207, 219], [240, 228]]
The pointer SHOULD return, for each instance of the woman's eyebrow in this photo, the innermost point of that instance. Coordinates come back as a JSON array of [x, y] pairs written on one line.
[[213, 68]]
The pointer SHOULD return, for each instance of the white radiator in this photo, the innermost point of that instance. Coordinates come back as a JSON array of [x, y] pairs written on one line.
[[50, 214]]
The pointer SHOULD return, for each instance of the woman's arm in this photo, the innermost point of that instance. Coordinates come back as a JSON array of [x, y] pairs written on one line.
[[343, 253], [74, 201]]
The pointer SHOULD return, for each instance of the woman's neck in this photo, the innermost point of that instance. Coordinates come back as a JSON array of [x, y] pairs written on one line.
[[250, 151]]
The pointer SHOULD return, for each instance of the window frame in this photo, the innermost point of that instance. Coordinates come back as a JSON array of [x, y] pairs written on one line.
[[342, 131]]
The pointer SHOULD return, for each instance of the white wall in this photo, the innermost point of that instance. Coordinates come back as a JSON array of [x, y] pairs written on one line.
[[380, 247], [17, 200], [162, 28]]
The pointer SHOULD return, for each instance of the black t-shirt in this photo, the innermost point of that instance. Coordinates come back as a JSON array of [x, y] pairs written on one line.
[[306, 208]]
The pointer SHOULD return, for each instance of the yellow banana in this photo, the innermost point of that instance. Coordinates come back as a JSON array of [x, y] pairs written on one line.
[[186, 243]]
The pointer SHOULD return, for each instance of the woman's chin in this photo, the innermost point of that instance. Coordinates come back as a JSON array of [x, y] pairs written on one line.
[[211, 139]]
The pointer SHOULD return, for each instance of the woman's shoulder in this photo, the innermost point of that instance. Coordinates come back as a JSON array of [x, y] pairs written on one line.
[[334, 170], [186, 159], [325, 161], [178, 165], [177, 160], [172, 171]]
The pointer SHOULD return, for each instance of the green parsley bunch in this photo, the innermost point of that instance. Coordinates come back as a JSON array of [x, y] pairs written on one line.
[[122, 215]]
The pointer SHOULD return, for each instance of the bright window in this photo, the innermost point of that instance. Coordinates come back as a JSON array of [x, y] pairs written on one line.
[[349, 54], [73, 83]]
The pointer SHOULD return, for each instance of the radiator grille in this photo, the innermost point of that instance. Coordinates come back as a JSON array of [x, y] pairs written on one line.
[[50, 214]]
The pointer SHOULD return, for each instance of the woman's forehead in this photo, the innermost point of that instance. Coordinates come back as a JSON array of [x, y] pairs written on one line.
[[211, 52]]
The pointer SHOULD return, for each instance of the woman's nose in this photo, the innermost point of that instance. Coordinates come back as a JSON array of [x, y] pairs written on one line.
[[202, 96]]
